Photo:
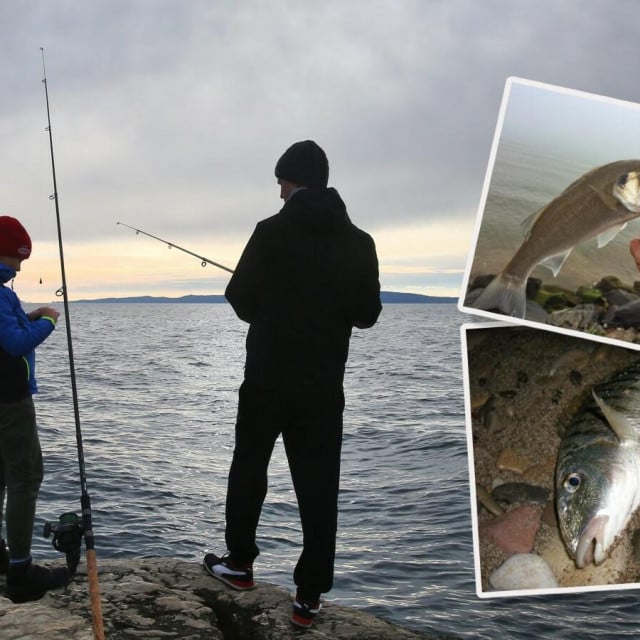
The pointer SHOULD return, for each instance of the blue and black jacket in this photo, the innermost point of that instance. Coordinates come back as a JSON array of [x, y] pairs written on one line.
[[19, 336]]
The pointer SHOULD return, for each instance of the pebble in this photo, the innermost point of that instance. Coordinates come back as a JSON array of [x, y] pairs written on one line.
[[523, 571], [625, 335], [478, 398], [578, 318], [510, 460], [608, 283], [519, 492], [514, 531], [620, 298], [572, 359], [485, 499]]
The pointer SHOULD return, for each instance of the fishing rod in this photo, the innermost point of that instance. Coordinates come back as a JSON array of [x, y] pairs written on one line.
[[204, 261], [85, 500]]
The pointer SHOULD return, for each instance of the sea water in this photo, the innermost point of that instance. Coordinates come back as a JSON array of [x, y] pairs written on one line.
[[157, 395]]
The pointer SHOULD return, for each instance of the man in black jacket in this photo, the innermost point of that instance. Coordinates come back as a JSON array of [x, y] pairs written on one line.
[[306, 277]]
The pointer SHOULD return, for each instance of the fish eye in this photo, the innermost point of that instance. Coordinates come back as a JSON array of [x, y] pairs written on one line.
[[572, 482], [622, 180]]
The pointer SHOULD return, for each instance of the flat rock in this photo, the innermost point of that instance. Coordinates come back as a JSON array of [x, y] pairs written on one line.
[[167, 598], [514, 531]]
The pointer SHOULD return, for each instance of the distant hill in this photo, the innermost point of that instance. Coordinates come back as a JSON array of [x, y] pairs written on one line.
[[387, 297]]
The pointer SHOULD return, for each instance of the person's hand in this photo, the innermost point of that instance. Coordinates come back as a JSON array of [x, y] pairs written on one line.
[[49, 312]]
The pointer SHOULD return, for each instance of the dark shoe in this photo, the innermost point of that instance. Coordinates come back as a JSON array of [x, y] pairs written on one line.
[[4, 557], [305, 611], [223, 569], [27, 581]]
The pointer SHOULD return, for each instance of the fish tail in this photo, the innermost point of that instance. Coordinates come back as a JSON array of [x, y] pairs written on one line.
[[506, 294]]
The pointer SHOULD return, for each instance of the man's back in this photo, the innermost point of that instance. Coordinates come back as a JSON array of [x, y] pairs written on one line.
[[306, 277]]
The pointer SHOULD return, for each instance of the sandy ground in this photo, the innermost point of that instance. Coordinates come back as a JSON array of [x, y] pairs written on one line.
[[534, 380]]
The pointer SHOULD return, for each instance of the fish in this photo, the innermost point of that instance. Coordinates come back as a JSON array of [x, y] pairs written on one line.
[[597, 477], [597, 204]]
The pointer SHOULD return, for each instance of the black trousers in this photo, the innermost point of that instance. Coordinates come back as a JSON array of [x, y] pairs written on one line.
[[311, 428]]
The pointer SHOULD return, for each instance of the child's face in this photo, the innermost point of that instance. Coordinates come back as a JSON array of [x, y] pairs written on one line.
[[12, 262]]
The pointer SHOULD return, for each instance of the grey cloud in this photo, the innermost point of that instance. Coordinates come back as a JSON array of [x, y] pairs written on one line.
[[168, 108]]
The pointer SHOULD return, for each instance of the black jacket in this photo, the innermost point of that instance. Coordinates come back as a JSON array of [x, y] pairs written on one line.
[[306, 277]]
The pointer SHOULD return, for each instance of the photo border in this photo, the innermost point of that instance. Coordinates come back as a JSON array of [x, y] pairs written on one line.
[[502, 112], [480, 593]]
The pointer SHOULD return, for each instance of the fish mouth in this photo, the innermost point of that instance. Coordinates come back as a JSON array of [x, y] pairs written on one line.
[[591, 542]]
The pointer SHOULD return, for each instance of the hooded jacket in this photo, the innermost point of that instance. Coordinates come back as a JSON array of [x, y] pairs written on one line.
[[307, 276], [19, 336]]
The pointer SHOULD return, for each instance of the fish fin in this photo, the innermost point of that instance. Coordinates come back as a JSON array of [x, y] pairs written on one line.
[[506, 294], [608, 235], [618, 422], [527, 224], [608, 199], [555, 262]]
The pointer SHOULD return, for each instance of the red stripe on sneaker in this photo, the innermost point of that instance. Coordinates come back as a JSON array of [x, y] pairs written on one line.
[[242, 584], [301, 621]]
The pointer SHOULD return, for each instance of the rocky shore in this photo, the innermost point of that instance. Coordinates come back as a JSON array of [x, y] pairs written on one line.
[[166, 598], [524, 385], [609, 308]]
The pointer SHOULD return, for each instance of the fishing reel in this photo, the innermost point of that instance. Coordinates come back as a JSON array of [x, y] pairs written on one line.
[[67, 537]]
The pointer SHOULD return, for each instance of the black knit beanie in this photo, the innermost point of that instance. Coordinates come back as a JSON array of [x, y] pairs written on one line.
[[304, 163]]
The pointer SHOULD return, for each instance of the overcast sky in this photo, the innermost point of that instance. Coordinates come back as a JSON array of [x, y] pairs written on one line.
[[169, 115]]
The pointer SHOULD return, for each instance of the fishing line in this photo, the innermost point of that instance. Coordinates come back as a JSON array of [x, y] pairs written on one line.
[[204, 261], [85, 500]]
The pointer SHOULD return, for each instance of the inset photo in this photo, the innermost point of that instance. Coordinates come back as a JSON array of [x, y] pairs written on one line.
[[557, 235], [553, 436]]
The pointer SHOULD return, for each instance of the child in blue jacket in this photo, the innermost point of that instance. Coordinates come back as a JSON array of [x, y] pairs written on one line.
[[21, 469]]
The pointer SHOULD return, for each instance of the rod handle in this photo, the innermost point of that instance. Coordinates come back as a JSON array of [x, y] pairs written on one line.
[[94, 595]]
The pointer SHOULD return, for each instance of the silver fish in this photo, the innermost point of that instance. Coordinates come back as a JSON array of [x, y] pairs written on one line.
[[599, 203], [597, 480]]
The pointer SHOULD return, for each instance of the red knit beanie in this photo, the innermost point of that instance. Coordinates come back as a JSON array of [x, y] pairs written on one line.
[[14, 239]]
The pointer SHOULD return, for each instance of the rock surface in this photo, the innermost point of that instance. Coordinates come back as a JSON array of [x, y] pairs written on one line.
[[167, 598]]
